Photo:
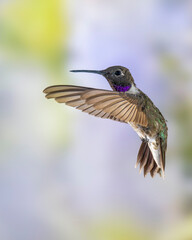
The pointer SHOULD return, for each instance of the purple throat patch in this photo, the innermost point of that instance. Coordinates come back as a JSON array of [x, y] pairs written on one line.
[[121, 88]]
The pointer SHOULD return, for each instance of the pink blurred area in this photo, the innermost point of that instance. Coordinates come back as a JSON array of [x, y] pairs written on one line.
[[67, 175]]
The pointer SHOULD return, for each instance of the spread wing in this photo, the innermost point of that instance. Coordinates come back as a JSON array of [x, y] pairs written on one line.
[[118, 106]]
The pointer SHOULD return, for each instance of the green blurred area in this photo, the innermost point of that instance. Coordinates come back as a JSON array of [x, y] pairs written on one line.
[[35, 29], [180, 82], [117, 229]]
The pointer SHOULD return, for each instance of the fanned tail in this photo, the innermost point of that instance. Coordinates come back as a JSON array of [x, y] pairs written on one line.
[[147, 162]]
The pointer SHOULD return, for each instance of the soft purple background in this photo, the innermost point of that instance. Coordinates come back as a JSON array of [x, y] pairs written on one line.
[[67, 175]]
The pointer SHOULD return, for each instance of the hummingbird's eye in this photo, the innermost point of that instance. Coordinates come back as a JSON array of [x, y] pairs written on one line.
[[118, 73]]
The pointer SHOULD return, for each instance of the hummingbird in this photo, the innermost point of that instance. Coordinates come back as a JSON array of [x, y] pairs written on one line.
[[124, 103]]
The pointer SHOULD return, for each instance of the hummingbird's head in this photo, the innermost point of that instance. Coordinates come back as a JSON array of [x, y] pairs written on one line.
[[119, 78]]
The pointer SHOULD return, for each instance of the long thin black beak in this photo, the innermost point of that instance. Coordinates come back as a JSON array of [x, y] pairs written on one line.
[[89, 71]]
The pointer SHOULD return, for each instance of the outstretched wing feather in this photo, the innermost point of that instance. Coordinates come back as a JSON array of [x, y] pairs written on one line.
[[121, 107]]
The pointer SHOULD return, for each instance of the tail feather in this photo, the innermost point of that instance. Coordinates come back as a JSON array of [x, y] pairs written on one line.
[[147, 162], [150, 163], [144, 159], [154, 170], [140, 153]]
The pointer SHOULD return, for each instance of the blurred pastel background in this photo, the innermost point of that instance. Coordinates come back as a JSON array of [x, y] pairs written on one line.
[[65, 175]]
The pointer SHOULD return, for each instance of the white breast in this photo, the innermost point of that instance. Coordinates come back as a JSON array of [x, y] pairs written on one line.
[[133, 90]]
